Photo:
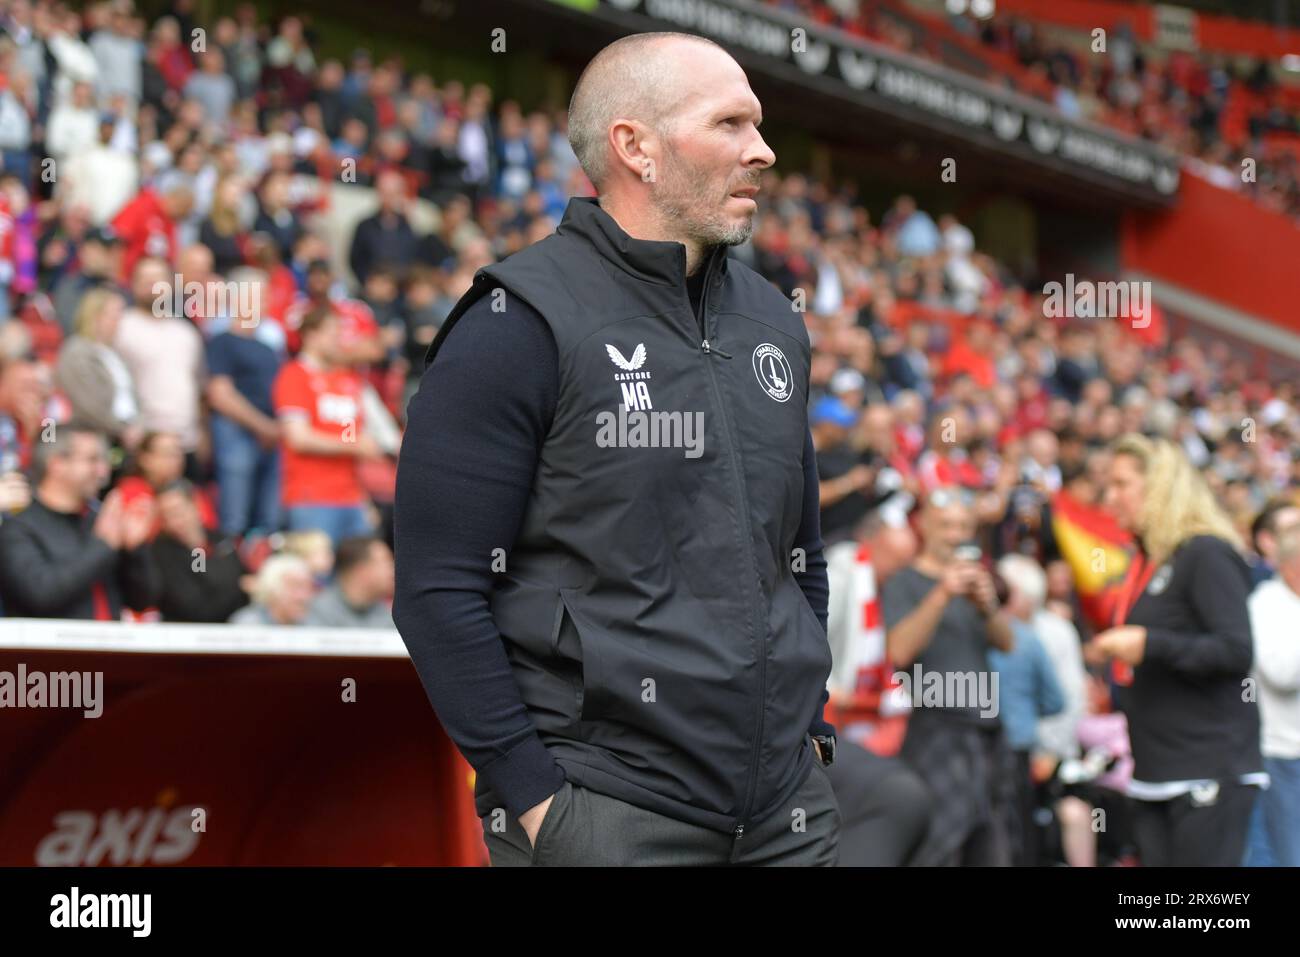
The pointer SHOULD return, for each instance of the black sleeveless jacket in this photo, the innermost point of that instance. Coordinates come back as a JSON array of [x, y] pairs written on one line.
[[649, 607]]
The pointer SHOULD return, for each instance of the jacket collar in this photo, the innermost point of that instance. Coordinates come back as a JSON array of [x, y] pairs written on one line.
[[645, 259]]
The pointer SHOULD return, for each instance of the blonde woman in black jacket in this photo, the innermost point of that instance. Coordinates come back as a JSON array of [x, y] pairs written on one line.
[[1181, 650]]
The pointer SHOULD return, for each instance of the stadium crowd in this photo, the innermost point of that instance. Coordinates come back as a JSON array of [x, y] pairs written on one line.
[[1214, 109], [243, 449]]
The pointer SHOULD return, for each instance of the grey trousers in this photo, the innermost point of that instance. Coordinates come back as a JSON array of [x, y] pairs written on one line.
[[584, 828]]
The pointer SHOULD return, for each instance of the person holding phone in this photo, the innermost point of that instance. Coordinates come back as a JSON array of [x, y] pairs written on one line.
[[941, 615]]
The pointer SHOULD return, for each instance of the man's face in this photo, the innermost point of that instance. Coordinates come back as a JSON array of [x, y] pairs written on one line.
[[150, 273], [392, 192], [290, 602], [1285, 520], [324, 342], [878, 428], [377, 572], [318, 283], [945, 527], [712, 151], [178, 203], [84, 470], [179, 514], [195, 263], [94, 258]]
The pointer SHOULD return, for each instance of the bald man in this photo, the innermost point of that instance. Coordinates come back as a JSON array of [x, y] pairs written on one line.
[[609, 567]]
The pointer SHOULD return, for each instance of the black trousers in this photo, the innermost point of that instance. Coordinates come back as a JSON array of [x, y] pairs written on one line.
[[1025, 844], [584, 828], [1181, 833], [884, 807]]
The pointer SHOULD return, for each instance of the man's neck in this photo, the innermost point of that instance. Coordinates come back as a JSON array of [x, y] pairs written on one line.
[[646, 224], [1293, 583], [277, 618], [930, 564], [354, 594], [59, 500], [192, 538], [313, 360]]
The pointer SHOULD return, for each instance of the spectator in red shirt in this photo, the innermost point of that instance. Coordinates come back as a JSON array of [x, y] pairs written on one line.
[[317, 399], [973, 354], [946, 460], [169, 54], [147, 225], [360, 340]]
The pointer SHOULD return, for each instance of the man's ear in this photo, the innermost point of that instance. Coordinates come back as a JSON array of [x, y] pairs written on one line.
[[634, 148]]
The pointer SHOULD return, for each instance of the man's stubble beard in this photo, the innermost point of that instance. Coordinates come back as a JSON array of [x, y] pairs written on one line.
[[680, 203]]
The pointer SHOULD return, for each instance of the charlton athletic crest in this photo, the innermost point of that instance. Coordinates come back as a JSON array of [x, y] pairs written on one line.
[[773, 372]]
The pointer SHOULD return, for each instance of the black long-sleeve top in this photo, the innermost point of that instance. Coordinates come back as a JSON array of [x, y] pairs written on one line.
[[1189, 714], [50, 560], [189, 591], [474, 436]]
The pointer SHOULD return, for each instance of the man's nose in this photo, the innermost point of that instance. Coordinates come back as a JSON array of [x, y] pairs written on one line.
[[759, 153]]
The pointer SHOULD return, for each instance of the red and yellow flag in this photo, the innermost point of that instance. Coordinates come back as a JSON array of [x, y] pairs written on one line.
[[1097, 550]]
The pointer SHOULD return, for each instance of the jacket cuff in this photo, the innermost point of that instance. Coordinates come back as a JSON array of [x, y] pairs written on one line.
[[819, 726], [1158, 645], [524, 776]]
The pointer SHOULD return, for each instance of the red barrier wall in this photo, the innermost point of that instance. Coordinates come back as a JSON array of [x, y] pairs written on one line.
[[1221, 245], [287, 772]]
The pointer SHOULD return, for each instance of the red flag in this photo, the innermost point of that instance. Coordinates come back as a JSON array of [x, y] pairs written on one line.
[[1097, 550]]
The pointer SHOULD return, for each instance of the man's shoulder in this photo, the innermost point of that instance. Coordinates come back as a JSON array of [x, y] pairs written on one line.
[[291, 370], [224, 341], [1272, 595], [249, 615], [904, 584], [35, 521], [498, 300], [1053, 629], [906, 576], [327, 609], [184, 330], [24, 522], [755, 294], [499, 319], [133, 319]]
